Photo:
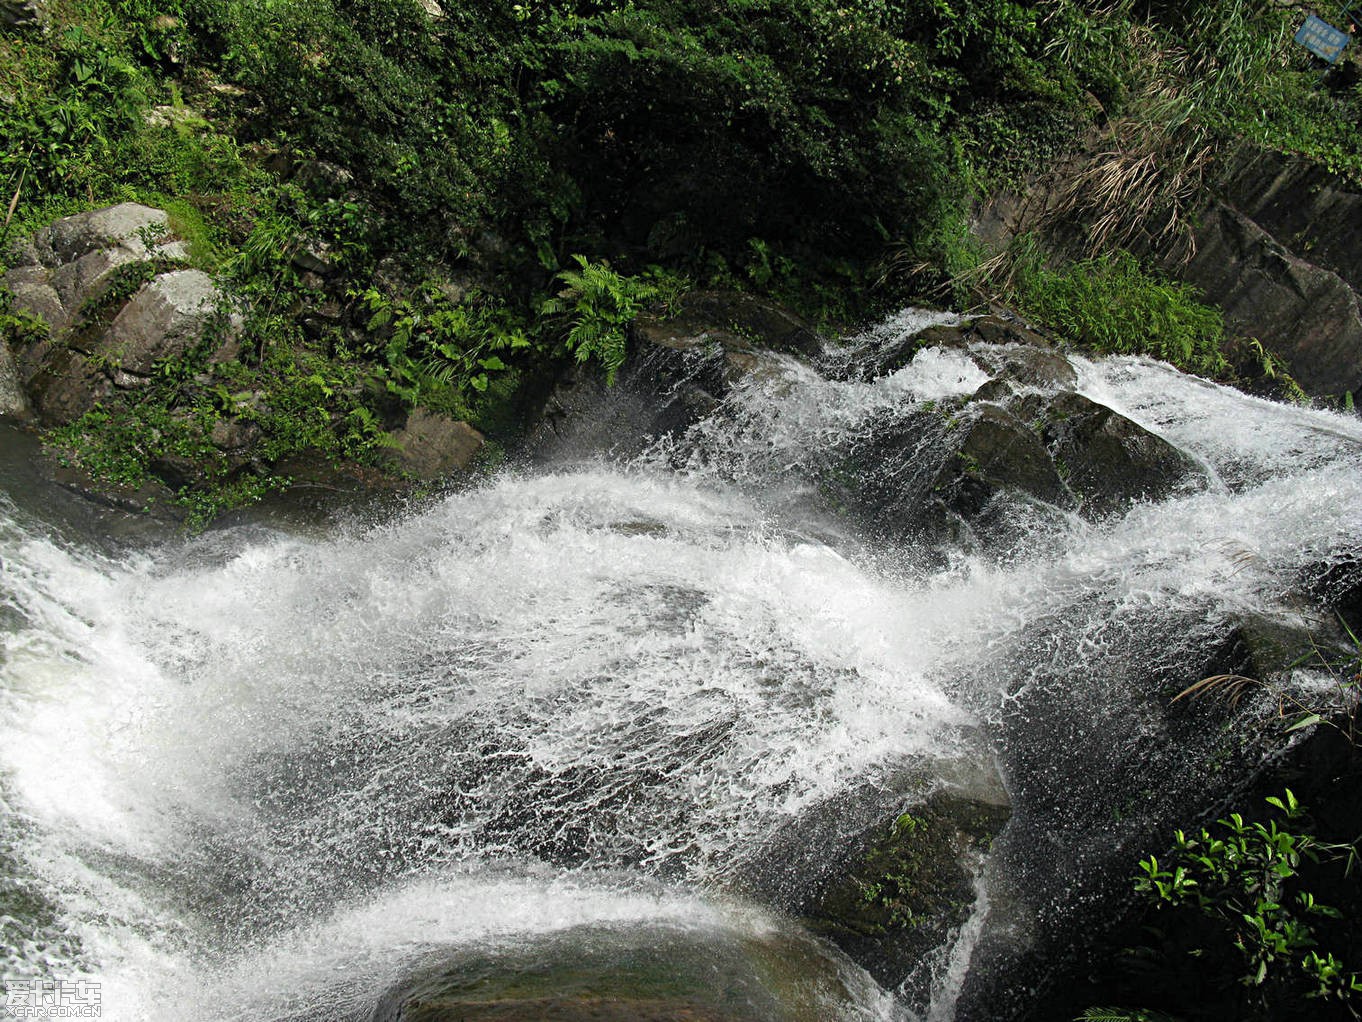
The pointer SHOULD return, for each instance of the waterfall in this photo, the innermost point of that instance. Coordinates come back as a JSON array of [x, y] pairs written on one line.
[[265, 774]]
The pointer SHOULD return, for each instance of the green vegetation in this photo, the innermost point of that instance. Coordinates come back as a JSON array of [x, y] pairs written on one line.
[[1112, 305], [1240, 931], [442, 211], [598, 305]]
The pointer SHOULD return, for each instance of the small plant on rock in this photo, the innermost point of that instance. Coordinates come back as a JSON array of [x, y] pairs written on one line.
[[598, 305]]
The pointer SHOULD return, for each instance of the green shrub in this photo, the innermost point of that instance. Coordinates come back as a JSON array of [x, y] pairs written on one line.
[[435, 350], [1240, 927]]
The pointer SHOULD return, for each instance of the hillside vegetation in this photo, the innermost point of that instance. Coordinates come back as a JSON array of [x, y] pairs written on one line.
[[397, 191]]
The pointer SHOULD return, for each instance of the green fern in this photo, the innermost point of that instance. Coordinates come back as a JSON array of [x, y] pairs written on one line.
[[1123, 1015], [598, 305]]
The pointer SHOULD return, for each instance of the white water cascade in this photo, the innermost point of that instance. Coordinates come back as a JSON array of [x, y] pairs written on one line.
[[265, 775]]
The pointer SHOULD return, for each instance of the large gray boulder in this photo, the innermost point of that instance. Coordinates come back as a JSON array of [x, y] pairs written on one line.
[[164, 319], [115, 301], [66, 267]]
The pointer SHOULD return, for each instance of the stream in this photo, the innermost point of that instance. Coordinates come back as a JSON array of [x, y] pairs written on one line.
[[588, 709]]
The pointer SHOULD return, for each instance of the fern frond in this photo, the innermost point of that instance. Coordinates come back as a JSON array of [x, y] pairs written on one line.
[[1123, 1015]]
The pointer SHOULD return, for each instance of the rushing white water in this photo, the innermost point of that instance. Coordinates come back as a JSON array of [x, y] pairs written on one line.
[[261, 775]]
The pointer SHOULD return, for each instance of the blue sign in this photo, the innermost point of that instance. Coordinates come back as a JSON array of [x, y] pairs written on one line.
[[1322, 39]]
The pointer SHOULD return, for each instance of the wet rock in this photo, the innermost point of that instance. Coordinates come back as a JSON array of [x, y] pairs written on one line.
[[152, 497], [1006, 328], [998, 452], [1021, 351], [1106, 460], [893, 357], [910, 886], [433, 445], [736, 320], [1337, 585], [1266, 649], [995, 468], [1027, 364], [638, 973], [696, 357], [680, 368]]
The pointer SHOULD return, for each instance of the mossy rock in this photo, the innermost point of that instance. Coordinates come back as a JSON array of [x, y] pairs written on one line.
[[1109, 460], [638, 973], [912, 884], [997, 453]]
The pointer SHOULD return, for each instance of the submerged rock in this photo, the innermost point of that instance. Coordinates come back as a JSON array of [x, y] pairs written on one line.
[[637, 973]]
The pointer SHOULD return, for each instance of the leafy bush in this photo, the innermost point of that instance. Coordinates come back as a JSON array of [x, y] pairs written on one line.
[[435, 350], [1241, 925]]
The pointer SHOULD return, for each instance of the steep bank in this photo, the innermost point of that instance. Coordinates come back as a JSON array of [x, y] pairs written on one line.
[[1270, 243]]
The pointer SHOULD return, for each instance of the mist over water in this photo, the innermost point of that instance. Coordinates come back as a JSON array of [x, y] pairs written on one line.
[[264, 775]]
